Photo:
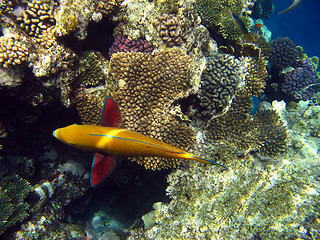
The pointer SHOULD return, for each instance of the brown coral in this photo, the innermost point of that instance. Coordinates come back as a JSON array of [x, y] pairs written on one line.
[[14, 50], [36, 18], [219, 82], [149, 84], [257, 75], [170, 29]]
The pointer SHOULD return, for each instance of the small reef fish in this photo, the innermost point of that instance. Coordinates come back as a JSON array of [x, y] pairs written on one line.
[[293, 5], [241, 27], [108, 140]]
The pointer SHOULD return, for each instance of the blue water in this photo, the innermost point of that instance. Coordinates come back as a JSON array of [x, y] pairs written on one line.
[[300, 25]]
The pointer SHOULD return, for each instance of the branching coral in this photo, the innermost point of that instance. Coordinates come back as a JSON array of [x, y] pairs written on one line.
[[149, 84], [13, 207], [272, 132], [256, 77], [92, 69]]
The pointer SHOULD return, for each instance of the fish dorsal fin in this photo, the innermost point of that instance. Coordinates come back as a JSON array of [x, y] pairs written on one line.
[[111, 115], [102, 167]]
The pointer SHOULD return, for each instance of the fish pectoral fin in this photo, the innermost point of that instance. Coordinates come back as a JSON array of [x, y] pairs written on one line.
[[111, 115], [102, 167]]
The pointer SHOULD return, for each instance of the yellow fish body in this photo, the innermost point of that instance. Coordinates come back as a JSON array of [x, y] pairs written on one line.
[[108, 142]]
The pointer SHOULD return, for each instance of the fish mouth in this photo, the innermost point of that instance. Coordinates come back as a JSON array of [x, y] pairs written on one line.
[[54, 133]]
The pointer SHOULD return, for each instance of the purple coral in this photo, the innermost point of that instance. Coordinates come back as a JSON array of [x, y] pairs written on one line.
[[127, 44], [301, 83]]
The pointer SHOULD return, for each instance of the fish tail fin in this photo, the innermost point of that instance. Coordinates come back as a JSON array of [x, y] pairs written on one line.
[[205, 160]]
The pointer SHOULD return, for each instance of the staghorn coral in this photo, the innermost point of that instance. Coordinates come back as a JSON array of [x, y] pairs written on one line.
[[219, 82], [13, 208], [301, 83], [282, 52], [170, 29], [127, 44], [149, 84]]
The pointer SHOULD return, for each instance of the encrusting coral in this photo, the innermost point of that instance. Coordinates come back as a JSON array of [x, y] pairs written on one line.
[[149, 85]]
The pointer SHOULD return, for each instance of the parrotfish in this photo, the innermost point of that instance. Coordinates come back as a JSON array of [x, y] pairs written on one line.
[[293, 5], [107, 140], [241, 27]]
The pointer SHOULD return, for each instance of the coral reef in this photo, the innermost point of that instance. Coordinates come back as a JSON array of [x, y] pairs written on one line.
[[218, 14], [263, 132], [149, 84], [220, 80], [92, 65], [36, 17], [282, 53], [127, 44], [14, 50], [250, 200], [301, 83], [170, 29], [13, 207], [255, 80]]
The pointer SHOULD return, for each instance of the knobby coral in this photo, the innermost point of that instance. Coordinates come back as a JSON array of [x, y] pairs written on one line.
[[221, 78], [301, 83], [149, 85], [282, 52]]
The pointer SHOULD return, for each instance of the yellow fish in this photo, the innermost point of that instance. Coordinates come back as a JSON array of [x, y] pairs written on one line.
[[108, 140]]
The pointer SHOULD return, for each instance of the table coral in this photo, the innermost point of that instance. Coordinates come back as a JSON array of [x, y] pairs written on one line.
[[149, 84]]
